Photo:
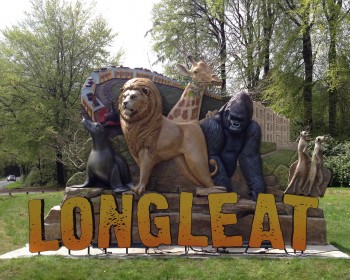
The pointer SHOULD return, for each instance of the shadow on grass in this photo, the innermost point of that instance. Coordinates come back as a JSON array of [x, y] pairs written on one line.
[[341, 248]]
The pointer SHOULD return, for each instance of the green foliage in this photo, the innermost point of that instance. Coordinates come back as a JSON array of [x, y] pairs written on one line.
[[266, 147], [338, 162], [121, 148], [45, 59], [181, 29], [281, 172], [278, 164], [277, 158], [77, 179], [282, 90], [44, 175]]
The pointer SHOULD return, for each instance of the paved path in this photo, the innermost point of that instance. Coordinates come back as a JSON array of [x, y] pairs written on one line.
[[327, 251], [4, 191], [4, 184]]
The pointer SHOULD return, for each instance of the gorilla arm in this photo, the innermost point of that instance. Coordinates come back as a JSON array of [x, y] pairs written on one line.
[[214, 135], [250, 160], [215, 138]]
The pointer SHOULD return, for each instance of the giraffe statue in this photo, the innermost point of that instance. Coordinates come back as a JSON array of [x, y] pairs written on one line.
[[187, 109]]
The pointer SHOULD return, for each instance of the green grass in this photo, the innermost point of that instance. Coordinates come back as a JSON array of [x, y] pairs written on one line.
[[15, 185], [279, 157], [336, 207], [175, 268], [14, 234], [266, 147], [14, 228]]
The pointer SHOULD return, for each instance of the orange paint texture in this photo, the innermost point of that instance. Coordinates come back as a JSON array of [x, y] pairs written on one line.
[[120, 221], [266, 206], [144, 221], [300, 204], [185, 237], [36, 228], [69, 217], [219, 220]]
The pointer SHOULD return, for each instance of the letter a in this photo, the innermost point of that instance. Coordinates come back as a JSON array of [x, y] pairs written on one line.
[[266, 205]]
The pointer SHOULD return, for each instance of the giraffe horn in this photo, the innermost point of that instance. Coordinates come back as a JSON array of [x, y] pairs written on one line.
[[190, 58]]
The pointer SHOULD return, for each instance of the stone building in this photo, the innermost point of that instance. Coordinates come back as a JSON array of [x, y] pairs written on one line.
[[274, 128]]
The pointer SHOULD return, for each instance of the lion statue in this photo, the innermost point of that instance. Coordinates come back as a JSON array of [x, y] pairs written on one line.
[[152, 138]]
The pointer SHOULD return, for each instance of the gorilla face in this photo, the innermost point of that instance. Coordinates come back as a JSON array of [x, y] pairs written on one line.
[[236, 117]]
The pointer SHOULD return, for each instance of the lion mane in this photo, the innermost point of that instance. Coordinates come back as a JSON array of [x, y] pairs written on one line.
[[141, 129], [152, 138]]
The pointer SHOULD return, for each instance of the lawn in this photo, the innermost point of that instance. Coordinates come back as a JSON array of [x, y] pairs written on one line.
[[14, 234], [15, 185]]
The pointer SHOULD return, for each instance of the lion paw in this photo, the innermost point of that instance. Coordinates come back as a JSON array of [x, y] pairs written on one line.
[[139, 189]]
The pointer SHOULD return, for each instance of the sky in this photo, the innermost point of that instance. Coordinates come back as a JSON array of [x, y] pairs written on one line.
[[131, 19]]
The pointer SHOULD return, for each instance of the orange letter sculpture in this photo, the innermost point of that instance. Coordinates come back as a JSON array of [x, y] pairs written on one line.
[[111, 217], [219, 220], [69, 233], [266, 205], [300, 204], [144, 221], [185, 237], [36, 228]]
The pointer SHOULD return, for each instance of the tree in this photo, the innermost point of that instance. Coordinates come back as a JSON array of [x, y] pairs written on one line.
[[194, 27], [250, 30], [303, 13], [49, 55], [334, 13], [213, 11]]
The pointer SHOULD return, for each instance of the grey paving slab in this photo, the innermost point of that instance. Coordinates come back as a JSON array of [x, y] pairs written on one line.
[[327, 251]]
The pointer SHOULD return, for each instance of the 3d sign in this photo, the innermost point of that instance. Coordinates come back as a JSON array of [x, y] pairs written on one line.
[[181, 189], [120, 222]]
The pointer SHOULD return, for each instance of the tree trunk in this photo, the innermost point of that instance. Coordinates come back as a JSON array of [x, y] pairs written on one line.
[[268, 30], [308, 79], [59, 169], [333, 91], [223, 57]]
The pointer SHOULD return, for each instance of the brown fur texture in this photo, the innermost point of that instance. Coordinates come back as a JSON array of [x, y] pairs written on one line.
[[152, 138], [142, 128]]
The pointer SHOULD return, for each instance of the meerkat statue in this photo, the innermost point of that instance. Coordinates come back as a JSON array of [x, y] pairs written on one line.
[[315, 176], [299, 177]]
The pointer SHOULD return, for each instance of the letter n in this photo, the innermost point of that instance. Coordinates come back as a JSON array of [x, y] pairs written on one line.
[[120, 221]]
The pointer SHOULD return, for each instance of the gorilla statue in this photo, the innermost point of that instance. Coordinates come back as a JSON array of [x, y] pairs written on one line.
[[232, 135]]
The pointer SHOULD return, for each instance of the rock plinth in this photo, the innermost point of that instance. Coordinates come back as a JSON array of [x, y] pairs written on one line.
[[201, 223]]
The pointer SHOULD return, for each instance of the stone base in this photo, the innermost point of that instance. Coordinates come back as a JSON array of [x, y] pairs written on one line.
[[244, 210]]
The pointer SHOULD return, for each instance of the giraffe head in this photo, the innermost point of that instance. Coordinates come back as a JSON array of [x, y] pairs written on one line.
[[200, 72]]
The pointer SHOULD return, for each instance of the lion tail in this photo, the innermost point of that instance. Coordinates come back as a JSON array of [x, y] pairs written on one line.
[[213, 162]]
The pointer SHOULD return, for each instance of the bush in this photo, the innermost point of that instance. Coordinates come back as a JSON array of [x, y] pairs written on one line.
[[337, 160], [282, 174], [46, 176], [266, 147]]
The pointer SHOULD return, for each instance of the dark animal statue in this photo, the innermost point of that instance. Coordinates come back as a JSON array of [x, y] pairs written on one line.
[[104, 167], [233, 136]]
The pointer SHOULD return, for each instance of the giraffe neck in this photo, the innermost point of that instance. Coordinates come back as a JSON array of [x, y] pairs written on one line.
[[193, 90], [187, 109]]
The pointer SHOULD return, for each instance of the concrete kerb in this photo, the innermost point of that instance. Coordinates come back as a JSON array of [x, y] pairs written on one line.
[[326, 251]]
